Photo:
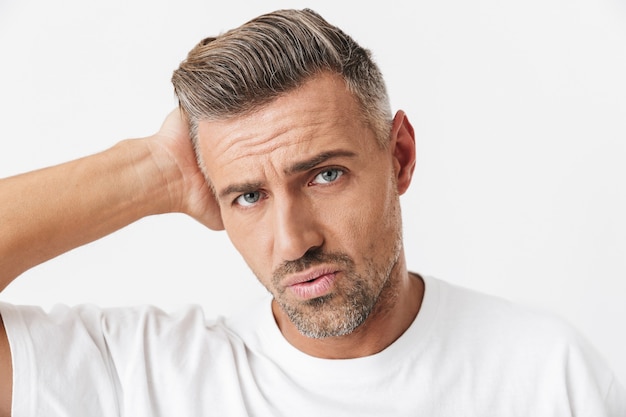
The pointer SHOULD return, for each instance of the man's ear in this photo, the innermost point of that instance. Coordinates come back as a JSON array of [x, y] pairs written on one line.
[[403, 150]]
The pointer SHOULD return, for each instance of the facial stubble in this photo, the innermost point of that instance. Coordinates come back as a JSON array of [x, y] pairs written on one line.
[[355, 295]]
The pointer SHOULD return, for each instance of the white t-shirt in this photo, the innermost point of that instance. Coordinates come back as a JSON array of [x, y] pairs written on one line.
[[466, 354]]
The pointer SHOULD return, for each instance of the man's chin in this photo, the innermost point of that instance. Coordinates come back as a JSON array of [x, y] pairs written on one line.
[[319, 318]]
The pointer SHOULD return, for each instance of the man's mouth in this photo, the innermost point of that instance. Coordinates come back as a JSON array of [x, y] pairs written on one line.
[[313, 283]]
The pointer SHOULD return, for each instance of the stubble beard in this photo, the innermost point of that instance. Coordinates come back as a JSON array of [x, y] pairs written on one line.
[[351, 302]]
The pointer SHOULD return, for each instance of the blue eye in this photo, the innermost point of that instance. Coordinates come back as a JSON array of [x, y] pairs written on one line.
[[248, 199], [328, 176]]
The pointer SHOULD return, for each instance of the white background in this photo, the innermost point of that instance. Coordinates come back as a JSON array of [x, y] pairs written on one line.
[[519, 109]]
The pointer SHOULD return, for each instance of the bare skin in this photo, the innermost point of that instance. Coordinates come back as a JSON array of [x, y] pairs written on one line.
[[315, 169]]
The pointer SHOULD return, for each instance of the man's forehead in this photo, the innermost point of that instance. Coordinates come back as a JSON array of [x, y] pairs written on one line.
[[320, 110], [286, 151]]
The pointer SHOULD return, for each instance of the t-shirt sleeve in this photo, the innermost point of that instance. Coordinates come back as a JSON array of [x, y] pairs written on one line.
[[87, 361], [61, 362]]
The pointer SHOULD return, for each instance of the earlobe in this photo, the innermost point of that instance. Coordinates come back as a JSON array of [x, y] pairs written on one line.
[[403, 150]]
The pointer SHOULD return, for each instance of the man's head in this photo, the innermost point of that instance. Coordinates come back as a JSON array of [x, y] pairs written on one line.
[[289, 115], [311, 201], [247, 67]]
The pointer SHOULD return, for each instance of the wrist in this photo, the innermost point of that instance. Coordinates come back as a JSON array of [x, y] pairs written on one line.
[[156, 179]]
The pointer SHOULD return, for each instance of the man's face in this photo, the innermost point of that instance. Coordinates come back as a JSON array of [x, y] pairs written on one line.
[[309, 199]]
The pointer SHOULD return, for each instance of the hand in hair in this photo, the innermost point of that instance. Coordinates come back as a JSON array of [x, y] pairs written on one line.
[[190, 192]]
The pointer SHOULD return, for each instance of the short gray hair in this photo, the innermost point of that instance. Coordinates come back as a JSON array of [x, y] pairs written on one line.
[[237, 72]]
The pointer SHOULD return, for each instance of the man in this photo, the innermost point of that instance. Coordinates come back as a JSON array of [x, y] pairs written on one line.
[[294, 152]]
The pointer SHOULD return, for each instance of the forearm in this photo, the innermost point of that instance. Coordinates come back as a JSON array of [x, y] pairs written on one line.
[[48, 212]]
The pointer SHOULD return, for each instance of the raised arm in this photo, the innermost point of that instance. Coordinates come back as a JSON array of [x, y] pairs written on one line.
[[51, 211]]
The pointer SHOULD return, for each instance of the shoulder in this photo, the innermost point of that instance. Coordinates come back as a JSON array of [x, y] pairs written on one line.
[[482, 314], [145, 351], [503, 324], [522, 346], [119, 333]]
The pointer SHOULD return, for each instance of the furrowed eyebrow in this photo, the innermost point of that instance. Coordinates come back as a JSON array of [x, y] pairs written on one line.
[[316, 160], [244, 187]]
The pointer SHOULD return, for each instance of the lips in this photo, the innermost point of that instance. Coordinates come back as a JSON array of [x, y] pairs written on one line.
[[311, 284]]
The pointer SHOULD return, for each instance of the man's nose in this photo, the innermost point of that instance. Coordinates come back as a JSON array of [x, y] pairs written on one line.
[[296, 230]]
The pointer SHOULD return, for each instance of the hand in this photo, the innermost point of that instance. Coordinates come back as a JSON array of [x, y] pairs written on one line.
[[189, 191]]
